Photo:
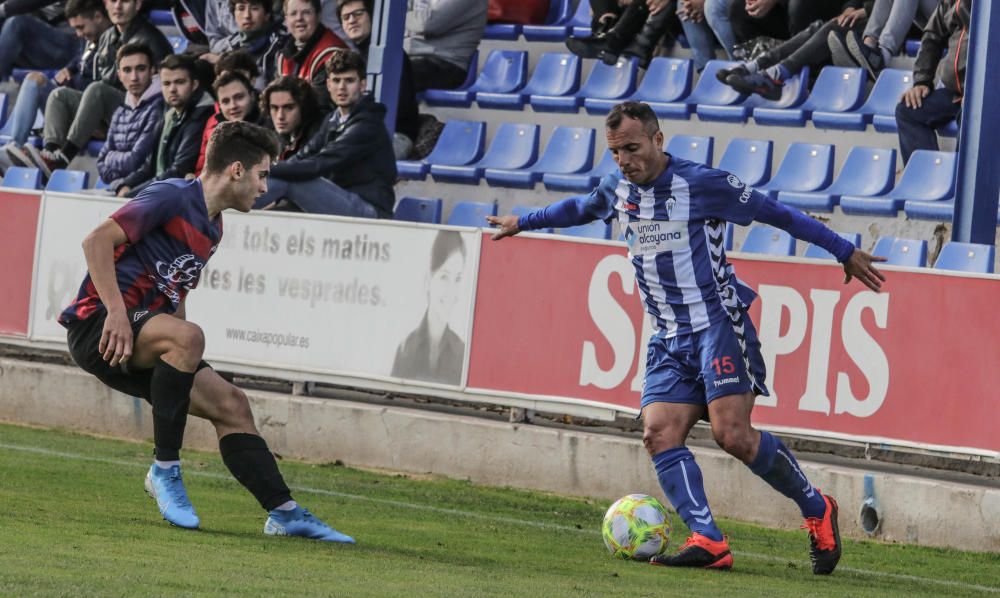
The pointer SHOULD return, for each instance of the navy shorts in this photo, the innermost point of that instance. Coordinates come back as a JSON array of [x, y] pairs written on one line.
[[702, 366]]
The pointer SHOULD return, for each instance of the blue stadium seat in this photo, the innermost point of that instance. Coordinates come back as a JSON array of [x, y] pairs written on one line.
[[902, 252], [928, 176], [597, 229], [708, 90], [461, 142], [471, 213], [100, 184], [570, 150], [431, 95], [966, 257], [815, 251], [879, 109], [606, 82], [579, 23], [768, 240], [18, 177], [837, 89], [941, 210], [748, 159], [161, 18], [793, 94], [692, 147], [67, 181], [949, 130], [418, 209], [94, 146], [867, 171], [178, 42], [806, 167], [523, 211], [502, 31], [514, 147], [556, 27], [503, 72], [912, 47], [581, 182], [555, 75], [666, 80]]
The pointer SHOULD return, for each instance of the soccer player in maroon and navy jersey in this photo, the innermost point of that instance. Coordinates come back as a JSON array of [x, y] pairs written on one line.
[[127, 325]]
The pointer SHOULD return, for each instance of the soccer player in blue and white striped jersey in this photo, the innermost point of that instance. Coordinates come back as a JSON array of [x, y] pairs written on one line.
[[704, 357]]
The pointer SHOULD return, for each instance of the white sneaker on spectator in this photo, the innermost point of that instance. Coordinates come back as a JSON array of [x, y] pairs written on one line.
[[46, 160], [17, 155]]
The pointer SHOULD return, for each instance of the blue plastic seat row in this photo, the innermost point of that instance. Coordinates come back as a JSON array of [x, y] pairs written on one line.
[[561, 22], [66, 181]]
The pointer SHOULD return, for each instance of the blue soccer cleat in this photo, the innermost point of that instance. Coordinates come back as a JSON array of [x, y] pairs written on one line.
[[167, 488], [300, 522]]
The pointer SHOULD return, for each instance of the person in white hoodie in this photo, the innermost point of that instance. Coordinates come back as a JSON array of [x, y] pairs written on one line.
[[132, 133]]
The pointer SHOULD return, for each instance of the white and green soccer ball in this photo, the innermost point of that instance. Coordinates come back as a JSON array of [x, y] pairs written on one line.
[[636, 527]]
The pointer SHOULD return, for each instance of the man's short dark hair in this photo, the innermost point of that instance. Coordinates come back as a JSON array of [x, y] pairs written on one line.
[[265, 4], [343, 61], [301, 91], [316, 4], [132, 49], [634, 110], [87, 9], [236, 141], [238, 60], [177, 62], [369, 6], [228, 77]]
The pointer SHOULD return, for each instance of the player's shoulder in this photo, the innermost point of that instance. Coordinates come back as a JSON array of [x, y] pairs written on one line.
[[171, 190]]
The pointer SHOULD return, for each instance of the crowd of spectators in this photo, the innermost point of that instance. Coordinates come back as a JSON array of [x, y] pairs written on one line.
[[299, 67]]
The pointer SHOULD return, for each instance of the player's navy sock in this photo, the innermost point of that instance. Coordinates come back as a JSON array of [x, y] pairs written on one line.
[[253, 465], [776, 465], [680, 478], [170, 393]]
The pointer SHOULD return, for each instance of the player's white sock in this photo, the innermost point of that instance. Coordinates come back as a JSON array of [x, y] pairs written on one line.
[[166, 464], [288, 506]]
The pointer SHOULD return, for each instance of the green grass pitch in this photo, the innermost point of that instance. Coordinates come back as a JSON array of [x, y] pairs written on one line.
[[74, 520]]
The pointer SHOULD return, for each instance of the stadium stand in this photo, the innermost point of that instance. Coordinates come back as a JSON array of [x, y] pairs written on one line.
[[806, 167], [748, 159], [837, 90], [418, 209], [461, 143], [928, 177], [556, 26], [793, 94], [867, 171], [514, 147], [581, 182], [692, 147], [817, 252], [667, 80], [556, 74], [67, 181], [570, 151], [966, 257], [505, 71], [471, 213]]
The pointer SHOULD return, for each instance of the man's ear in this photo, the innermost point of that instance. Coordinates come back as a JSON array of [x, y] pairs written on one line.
[[236, 170], [658, 139]]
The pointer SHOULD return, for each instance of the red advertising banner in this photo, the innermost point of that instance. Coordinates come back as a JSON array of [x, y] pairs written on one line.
[[913, 364], [18, 225]]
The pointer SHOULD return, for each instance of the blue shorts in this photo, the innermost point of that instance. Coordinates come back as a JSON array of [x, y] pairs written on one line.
[[702, 366]]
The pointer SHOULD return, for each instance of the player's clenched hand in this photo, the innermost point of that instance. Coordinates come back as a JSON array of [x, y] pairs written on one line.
[[860, 266], [116, 339], [507, 226]]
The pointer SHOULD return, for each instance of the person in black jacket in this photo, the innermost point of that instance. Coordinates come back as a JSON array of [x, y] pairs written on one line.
[[923, 108], [71, 116], [347, 168], [179, 133]]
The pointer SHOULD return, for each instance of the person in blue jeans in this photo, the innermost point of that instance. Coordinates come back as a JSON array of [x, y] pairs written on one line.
[[924, 108], [24, 23], [89, 20]]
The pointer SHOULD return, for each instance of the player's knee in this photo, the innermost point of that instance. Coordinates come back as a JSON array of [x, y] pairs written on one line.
[[735, 440], [659, 436], [189, 340]]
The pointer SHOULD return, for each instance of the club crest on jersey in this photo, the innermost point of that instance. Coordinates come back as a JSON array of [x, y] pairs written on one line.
[[668, 205], [183, 270], [734, 181]]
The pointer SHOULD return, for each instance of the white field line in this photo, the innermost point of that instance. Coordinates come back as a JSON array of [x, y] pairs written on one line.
[[482, 516]]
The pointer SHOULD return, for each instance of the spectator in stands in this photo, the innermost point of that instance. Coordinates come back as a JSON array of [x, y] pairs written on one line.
[[433, 352], [885, 34], [356, 15], [236, 100], [294, 113], [347, 168], [88, 19], [717, 16], [309, 46], [21, 32], [924, 107], [767, 74], [443, 35], [257, 33], [132, 133], [71, 116], [178, 133], [237, 60], [780, 19]]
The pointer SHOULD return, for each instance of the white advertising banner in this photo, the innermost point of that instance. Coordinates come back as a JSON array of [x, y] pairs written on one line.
[[337, 296], [60, 265]]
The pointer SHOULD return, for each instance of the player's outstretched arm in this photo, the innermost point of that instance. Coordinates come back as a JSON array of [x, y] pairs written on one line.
[[506, 226], [99, 249], [861, 265], [571, 211]]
